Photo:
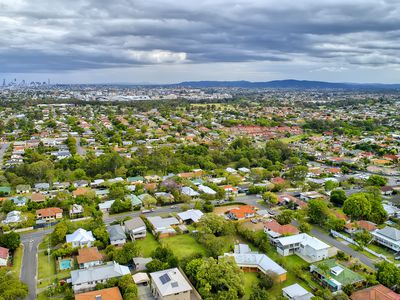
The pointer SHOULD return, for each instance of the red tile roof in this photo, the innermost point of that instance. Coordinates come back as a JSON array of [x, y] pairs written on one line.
[[106, 294], [274, 226], [4, 253], [242, 211], [377, 292], [48, 212], [88, 254]]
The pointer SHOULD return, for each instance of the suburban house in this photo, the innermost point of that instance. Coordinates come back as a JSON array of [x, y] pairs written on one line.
[[117, 235], [307, 247], [376, 292], [136, 228], [250, 261], [139, 263], [4, 255], [5, 190], [388, 237], [170, 284], [89, 257], [80, 238], [87, 279], [19, 200], [75, 210], [359, 225], [106, 206], [190, 216], [22, 188], [49, 214], [337, 275], [275, 230], [13, 217], [289, 200], [163, 226], [296, 292], [206, 190], [81, 191], [43, 186], [188, 191], [135, 201], [104, 294], [312, 195], [241, 212], [38, 197]]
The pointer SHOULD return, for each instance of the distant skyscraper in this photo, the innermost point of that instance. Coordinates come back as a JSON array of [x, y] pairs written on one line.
[[4, 82]]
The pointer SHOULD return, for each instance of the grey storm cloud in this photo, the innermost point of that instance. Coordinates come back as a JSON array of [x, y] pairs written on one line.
[[61, 35]]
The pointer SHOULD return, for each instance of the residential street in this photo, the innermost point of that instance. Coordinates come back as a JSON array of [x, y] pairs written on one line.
[[333, 242], [3, 150], [28, 275], [79, 149]]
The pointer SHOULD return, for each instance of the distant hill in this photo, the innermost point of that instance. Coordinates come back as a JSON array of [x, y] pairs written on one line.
[[286, 84]]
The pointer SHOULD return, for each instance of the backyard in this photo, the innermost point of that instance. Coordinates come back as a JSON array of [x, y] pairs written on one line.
[[183, 245]]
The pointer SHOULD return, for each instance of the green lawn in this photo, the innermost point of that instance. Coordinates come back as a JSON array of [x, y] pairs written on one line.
[[183, 245], [17, 261], [250, 280], [46, 265], [147, 245]]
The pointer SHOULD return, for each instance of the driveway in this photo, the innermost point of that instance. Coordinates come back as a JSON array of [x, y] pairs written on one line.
[[144, 292]]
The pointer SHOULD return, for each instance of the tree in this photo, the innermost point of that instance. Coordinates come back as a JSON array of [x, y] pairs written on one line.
[[10, 287], [297, 173], [285, 217], [8, 205], [270, 198], [125, 254], [304, 227], [10, 240], [330, 185], [357, 206], [213, 277], [259, 294], [363, 238], [376, 180], [318, 212], [149, 201], [338, 197], [59, 233], [388, 274], [266, 280], [215, 224], [335, 223]]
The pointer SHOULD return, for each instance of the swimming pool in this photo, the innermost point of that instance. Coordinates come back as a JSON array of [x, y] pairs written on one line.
[[65, 264]]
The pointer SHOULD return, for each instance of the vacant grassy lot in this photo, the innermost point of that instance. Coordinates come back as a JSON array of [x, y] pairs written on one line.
[[183, 245], [147, 245]]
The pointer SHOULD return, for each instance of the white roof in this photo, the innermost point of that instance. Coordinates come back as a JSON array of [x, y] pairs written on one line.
[[189, 191], [106, 205], [261, 261], [170, 282], [191, 214], [162, 223], [295, 291], [140, 277], [304, 239], [80, 235], [207, 190]]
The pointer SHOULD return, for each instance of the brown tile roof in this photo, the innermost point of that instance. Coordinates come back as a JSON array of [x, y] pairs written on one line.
[[81, 191], [377, 292], [274, 226], [242, 211], [106, 294], [38, 197], [48, 212], [88, 254], [367, 225]]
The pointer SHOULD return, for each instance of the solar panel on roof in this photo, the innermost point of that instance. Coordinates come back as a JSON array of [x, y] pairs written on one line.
[[174, 284], [165, 278]]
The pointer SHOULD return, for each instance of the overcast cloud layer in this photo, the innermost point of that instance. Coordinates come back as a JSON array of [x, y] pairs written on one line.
[[177, 40]]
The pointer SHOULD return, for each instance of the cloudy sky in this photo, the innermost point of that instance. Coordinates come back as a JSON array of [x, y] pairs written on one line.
[[162, 41]]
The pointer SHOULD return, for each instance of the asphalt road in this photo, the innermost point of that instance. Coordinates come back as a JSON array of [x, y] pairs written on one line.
[[3, 150], [333, 242], [79, 149], [28, 275]]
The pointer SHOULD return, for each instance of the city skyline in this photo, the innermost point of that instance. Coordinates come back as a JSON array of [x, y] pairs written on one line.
[[174, 41]]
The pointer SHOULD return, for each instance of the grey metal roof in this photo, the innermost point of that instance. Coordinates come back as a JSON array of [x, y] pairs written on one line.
[[116, 232], [105, 272]]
